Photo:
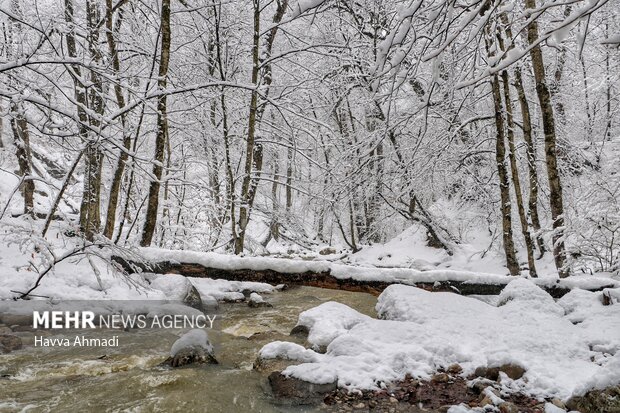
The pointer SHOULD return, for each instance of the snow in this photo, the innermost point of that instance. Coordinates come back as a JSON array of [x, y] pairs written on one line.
[[551, 408], [174, 286], [193, 338], [328, 321], [422, 331], [288, 351], [367, 272], [599, 323], [223, 290], [523, 292], [255, 298]]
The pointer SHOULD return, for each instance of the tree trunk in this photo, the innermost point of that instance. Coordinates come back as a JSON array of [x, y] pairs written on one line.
[[162, 129], [512, 156], [250, 148], [88, 96], [504, 184], [514, 169], [531, 160], [120, 101], [21, 138], [325, 279], [555, 186]]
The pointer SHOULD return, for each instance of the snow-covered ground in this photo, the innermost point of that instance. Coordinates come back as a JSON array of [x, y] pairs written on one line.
[[420, 332]]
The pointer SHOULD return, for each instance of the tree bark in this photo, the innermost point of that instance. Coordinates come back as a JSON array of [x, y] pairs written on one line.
[[113, 199], [514, 168], [532, 204], [504, 184], [551, 158], [88, 97], [516, 181], [162, 129], [250, 148], [21, 139]]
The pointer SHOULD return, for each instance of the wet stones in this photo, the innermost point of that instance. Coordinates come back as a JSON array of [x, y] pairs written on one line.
[[272, 365], [300, 331], [597, 401], [513, 371], [295, 391], [454, 369], [440, 378], [507, 407], [9, 343], [188, 356]]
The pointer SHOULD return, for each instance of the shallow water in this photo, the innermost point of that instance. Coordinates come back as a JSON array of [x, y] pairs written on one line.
[[127, 378]]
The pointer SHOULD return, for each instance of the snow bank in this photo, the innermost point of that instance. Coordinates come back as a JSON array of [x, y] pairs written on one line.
[[524, 293], [599, 323], [423, 331]]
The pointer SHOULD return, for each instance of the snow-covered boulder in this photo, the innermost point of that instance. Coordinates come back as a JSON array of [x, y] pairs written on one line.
[[328, 321], [193, 347], [599, 324]]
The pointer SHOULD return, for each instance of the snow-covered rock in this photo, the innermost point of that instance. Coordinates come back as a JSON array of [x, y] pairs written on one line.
[[193, 347], [328, 321], [425, 331], [255, 300]]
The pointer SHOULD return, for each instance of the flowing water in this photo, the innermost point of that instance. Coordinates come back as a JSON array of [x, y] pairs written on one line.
[[127, 378]]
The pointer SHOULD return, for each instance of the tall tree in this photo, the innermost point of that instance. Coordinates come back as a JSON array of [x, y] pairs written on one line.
[[556, 201], [162, 128]]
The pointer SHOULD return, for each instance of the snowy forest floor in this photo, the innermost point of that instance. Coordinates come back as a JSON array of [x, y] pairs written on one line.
[[565, 347]]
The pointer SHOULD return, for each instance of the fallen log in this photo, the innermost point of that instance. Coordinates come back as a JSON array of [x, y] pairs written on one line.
[[325, 279]]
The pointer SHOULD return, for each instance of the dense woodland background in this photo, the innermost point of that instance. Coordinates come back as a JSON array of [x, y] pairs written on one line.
[[264, 126]]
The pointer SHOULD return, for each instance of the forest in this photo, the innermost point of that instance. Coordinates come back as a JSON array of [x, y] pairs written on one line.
[[431, 188], [254, 127]]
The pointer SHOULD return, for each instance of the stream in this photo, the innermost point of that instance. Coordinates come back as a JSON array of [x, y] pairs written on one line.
[[127, 378]]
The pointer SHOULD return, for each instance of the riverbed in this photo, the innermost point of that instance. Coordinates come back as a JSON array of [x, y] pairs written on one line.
[[127, 378]]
